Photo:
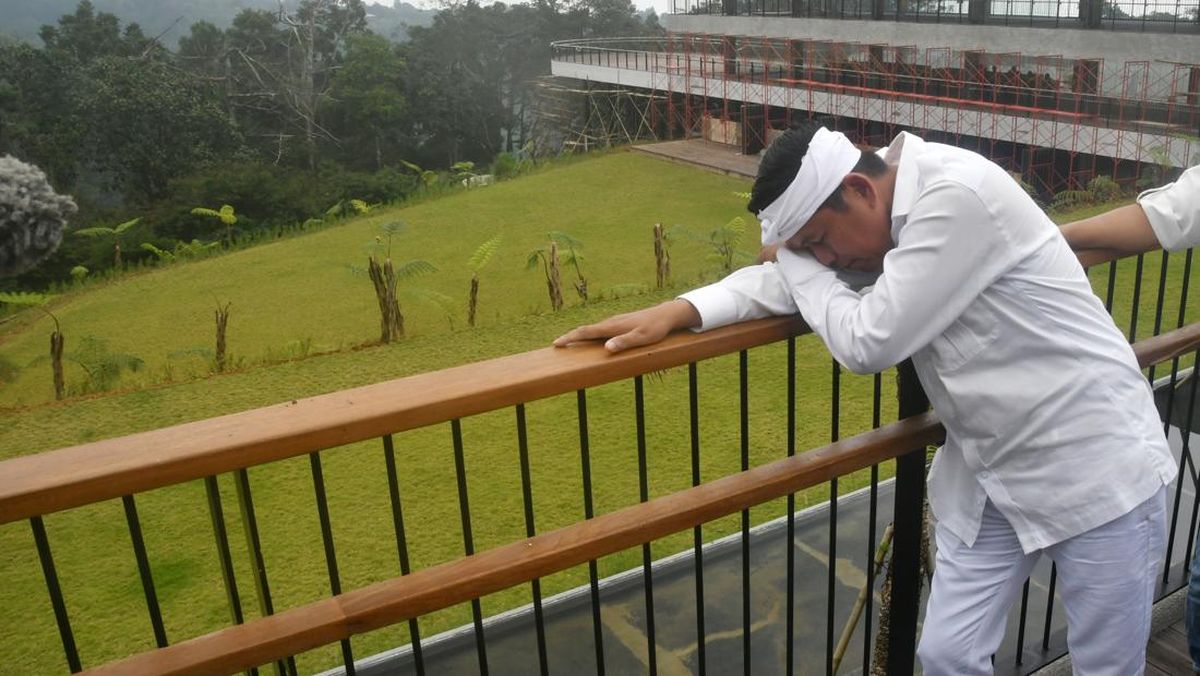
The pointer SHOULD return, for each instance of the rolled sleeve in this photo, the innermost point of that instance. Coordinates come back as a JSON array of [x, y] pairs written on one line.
[[1174, 211], [750, 293]]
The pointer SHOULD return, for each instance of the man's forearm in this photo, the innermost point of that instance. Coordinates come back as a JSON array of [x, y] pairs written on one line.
[[1125, 230]]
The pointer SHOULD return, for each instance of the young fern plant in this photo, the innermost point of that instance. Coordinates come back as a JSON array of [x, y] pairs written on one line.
[[57, 341], [102, 366], [478, 260], [225, 215], [724, 240], [547, 257], [428, 177], [572, 256], [385, 276], [114, 233]]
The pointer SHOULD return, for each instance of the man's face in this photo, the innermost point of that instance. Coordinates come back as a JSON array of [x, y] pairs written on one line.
[[854, 239]]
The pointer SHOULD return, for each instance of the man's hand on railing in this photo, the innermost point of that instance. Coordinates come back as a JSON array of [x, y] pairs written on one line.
[[634, 329]]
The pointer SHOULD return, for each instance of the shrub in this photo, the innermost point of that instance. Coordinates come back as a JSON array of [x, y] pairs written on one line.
[[505, 166], [1104, 189], [32, 216]]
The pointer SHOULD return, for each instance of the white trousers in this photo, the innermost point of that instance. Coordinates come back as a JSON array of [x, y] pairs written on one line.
[[1106, 580]]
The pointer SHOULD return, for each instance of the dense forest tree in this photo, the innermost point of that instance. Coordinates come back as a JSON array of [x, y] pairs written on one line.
[[281, 113]]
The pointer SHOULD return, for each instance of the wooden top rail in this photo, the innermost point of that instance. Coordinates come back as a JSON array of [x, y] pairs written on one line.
[[322, 622], [79, 475]]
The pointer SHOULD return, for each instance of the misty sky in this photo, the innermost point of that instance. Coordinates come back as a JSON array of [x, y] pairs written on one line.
[[659, 6]]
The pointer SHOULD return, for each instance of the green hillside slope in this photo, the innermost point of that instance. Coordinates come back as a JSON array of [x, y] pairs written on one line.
[[300, 296]]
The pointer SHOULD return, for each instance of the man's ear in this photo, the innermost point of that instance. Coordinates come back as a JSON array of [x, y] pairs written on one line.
[[861, 185]]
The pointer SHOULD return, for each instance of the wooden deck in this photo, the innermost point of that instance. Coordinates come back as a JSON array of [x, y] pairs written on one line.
[[719, 157], [1167, 654]]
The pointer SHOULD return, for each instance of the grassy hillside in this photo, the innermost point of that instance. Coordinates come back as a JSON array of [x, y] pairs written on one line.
[[300, 296], [299, 290]]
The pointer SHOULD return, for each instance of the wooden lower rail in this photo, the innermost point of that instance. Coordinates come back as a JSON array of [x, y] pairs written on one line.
[[303, 628], [287, 633]]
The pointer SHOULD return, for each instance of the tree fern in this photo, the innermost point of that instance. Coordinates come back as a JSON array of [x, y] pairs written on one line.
[[24, 298], [414, 268], [483, 254], [160, 254], [225, 215]]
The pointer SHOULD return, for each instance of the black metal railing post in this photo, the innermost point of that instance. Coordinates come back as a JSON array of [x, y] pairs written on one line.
[[389, 459], [56, 596], [909, 525]]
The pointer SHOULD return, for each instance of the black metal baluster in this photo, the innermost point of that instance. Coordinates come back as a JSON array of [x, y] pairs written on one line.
[[698, 531], [744, 418], [527, 497], [213, 492], [1158, 303], [254, 545], [1186, 454], [873, 507], [389, 459], [588, 512], [1021, 624], [831, 578], [643, 496], [1137, 296], [790, 543], [909, 525], [335, 583], [1112, 286], [464, 509], [1049, 607], [1184, 457], [143, 564], [56, 596]]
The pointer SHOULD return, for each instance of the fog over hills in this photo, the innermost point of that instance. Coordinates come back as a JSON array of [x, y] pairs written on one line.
[[21, 19]]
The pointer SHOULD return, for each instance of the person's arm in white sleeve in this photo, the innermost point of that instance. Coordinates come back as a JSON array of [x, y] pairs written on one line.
[[1174, 211], [753, 292], [750, 293], [1167, 217], [950, 250]]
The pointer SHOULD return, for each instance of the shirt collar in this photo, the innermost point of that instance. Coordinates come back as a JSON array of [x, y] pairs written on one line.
[[903, 153]]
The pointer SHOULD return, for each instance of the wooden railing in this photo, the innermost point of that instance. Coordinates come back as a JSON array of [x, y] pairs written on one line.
[[40, 484]]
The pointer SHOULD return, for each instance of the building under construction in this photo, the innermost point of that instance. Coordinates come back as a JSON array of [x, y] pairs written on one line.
[[1057, 100]]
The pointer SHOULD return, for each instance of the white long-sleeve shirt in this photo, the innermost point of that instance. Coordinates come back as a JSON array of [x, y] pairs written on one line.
[[1174, 211], [1045, 409]]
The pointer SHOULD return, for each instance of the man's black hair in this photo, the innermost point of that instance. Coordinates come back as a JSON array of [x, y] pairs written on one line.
[[781, 162]]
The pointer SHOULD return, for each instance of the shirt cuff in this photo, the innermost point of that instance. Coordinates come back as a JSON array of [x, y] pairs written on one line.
[[715, 304], [1165, 216]]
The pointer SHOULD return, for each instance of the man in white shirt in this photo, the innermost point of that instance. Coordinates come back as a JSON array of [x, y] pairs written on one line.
[[1053, 444]]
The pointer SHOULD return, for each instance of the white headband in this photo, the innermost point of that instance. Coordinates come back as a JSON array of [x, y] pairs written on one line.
[[829, 158]]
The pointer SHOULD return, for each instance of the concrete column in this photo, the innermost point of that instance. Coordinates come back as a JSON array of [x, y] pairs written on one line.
[[796, 54], [977, 11], [729, 45], [1091, 12]]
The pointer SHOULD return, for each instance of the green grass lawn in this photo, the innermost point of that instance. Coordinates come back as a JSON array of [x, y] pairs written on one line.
[[300, 296], [300, 290]]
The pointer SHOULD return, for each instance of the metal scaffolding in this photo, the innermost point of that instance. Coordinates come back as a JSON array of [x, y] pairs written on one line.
[[1057, 121], [584, 116]]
